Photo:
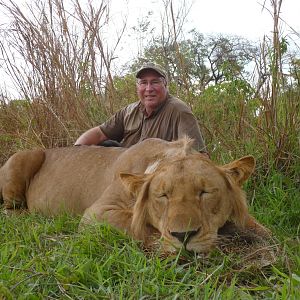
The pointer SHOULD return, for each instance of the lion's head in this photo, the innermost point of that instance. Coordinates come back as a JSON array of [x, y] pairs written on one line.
[[187, 199]]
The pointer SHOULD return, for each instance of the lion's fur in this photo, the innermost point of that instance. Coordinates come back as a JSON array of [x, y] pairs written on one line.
[[153, 187]]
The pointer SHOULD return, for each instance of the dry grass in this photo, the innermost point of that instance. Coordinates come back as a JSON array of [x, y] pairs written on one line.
[[64, 79], [67, 85]]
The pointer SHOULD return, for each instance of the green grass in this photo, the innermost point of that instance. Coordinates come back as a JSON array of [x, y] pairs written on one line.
[[47, 258]]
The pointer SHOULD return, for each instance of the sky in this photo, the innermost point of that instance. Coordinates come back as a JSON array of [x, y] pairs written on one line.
[[245, 18], [240, 17]]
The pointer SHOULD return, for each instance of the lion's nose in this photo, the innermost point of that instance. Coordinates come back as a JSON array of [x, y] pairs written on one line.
[[184, 236]]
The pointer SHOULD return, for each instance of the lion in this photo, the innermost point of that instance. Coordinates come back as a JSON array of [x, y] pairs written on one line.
[[154, 190]]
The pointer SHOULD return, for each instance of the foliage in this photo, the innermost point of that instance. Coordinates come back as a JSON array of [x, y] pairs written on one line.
[[203, 59]]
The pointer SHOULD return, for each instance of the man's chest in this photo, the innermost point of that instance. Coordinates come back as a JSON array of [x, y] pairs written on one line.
[[139, 127]]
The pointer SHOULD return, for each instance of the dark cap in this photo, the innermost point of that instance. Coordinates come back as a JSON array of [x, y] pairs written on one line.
[[151, 66]]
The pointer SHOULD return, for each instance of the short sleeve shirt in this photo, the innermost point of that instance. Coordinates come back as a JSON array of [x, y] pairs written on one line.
[[171, 121]]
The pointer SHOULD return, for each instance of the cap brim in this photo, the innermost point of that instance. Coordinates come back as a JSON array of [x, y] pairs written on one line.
[[140, 71]]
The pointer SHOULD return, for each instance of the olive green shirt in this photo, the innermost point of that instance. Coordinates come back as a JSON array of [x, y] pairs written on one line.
[[172, 120]]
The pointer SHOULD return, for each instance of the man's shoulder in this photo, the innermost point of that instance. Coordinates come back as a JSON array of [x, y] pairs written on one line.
[[130, 108], [175, 103]]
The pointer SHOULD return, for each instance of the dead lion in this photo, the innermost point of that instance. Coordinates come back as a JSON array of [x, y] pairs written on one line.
[[155, 188]]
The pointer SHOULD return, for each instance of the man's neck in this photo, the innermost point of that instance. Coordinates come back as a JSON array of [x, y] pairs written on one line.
[[148, 110]]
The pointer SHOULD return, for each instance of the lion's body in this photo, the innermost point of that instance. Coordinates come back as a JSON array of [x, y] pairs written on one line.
[[182, 194], [72, 187]]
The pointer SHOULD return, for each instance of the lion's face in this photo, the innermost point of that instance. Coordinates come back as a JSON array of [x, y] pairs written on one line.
[[188, 200]]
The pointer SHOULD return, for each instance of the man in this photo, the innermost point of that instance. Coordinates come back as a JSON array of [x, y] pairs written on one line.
[[157, 114]]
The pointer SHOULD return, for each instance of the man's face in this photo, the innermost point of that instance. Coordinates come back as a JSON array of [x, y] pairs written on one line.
[[151, 90]]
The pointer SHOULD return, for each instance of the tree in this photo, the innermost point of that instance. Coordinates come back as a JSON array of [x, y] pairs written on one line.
[[206, 59]]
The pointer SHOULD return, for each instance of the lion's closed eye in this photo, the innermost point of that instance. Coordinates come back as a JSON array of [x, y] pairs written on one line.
[[202, 193], [162, 196], [205, 193]]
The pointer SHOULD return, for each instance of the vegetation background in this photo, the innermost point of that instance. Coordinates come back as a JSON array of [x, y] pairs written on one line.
[[246, 98]]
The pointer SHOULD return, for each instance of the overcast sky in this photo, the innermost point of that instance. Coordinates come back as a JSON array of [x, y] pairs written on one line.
[[246, 18], [240, 17]]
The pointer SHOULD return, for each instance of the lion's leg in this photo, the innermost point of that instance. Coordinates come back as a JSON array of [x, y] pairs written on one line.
[[112, 207], [15, 212], [13, 195], [119, 218], [16, 174], [111, 214], [116, 207]]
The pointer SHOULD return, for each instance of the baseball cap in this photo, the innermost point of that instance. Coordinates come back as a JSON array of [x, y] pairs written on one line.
[[151, 66]]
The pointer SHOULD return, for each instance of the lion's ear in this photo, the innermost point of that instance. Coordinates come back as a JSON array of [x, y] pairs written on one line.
[[133, 182], [241, 169]]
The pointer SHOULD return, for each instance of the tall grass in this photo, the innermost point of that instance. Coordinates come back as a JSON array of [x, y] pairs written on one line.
[[67, 85], [64, 79]]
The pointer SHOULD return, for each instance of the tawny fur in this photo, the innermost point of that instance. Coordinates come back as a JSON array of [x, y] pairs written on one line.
[[155, 188]]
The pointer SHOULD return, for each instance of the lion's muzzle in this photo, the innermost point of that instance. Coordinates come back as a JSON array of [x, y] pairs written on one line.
[[184, 236]]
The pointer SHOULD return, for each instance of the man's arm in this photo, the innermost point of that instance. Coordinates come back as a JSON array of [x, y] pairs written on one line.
[[93, 136]]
